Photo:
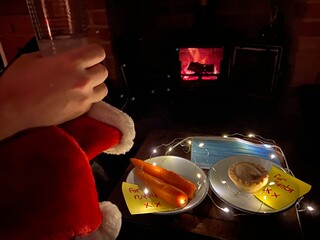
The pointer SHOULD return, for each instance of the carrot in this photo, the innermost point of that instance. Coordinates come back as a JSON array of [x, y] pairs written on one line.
[[167, 176], [165, 191]]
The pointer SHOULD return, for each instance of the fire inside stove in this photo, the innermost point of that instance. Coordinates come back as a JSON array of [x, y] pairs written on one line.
[[200, 63]]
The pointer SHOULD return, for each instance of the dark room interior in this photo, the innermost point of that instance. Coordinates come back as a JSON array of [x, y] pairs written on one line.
[[213, 67]]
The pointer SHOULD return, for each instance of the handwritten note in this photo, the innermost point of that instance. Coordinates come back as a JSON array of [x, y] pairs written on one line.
[[139, 202], [282, 189]]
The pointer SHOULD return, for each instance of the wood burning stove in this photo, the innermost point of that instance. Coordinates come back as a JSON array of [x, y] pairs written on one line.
[[200, 64], [254, 70], [250, 70], [201, 67]]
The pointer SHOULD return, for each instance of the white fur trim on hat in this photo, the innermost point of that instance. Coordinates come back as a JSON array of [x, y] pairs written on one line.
[[113, 116], [110, 224]]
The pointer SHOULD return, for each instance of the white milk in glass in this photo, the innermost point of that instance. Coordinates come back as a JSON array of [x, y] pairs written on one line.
[[59, 24], [59, 45]]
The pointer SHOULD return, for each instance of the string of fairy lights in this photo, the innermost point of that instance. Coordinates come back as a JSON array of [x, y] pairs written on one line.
[[186, 145]]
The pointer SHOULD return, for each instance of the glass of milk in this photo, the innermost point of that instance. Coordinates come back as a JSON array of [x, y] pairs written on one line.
[[59, 25]]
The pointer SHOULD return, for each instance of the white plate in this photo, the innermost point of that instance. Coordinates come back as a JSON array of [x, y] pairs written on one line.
[[185, 168], [225, 189]]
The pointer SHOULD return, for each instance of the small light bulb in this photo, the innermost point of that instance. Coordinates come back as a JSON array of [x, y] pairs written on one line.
[[310, 208], [272, 156], [183, 201], [225, 209]]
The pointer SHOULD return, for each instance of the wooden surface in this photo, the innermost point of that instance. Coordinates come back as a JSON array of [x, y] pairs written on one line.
[[205, 221]]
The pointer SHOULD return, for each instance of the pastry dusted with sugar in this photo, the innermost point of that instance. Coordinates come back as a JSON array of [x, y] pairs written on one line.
[[248, 176]]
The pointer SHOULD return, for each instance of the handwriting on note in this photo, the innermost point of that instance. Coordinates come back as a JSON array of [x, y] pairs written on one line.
[[139, 202], [282, 189]]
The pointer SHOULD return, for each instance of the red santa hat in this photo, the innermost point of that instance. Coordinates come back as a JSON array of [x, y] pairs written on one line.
[[46, 182]]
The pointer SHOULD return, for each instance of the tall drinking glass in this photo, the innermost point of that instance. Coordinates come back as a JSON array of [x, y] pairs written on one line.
[[59, 25]]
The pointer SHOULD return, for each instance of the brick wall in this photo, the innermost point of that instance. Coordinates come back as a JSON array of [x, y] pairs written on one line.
[[305, 55]]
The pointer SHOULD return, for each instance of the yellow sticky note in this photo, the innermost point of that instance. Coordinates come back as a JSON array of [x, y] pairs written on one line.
[[282, 189], [139, 202]]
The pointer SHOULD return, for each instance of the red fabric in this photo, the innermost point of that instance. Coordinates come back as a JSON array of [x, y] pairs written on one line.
[[94, 136], [47, 190]]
